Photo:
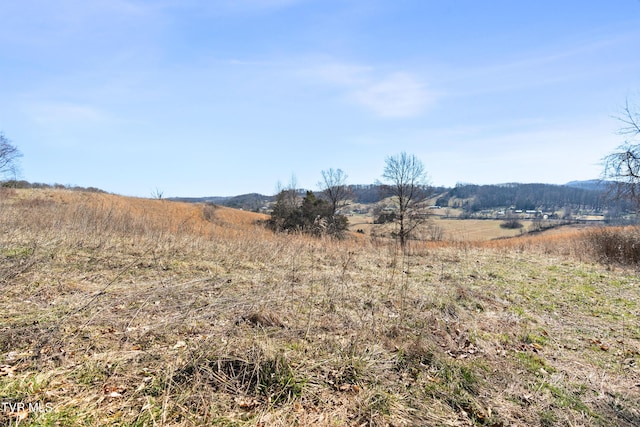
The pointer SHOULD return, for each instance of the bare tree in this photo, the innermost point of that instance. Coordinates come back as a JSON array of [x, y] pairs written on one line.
[[337, 193], [157, 194], [405, 179], [334, 188], [287, 196], [622, 167], [9, 155]]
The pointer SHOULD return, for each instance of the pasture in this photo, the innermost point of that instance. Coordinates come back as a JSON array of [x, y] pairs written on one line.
[[456, 230], [135, 312]]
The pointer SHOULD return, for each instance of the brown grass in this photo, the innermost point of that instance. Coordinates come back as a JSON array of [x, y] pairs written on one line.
[[121, 311], [453, 230]]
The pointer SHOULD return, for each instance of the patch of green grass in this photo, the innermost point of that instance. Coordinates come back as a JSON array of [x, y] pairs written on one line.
[[567, 399], [379, 402], [18, 252], [548, 418], [22, 388], [90, 373], [519, 310], [531, 338], [278, 380], [155, 386], [503, 338], [62, 416], [453, 378], [533, 363]]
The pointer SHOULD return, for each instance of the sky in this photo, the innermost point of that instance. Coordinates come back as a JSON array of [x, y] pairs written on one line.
[[225, 97]]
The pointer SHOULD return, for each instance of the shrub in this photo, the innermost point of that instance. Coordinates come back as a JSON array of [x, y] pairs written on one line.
[[385, 217], [511, 224], [209, 211], [313, 216], [615, 244]]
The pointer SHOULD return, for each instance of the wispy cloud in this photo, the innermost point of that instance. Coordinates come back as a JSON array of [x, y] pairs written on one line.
[[397, 95], [390, 95]]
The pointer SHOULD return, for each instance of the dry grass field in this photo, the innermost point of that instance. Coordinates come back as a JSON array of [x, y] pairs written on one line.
[[118, 311], [457, 230]]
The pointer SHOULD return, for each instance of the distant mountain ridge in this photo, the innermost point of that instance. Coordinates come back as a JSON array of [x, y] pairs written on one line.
[[591, 184]]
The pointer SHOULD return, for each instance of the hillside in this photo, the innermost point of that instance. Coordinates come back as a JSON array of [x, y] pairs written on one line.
[[525, 197], [249, 202], [583, 196], [125, 311]]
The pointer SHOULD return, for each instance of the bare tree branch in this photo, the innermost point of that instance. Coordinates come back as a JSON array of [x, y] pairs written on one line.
[[9, 154], [622, 167], [334, 188], [631, 119]]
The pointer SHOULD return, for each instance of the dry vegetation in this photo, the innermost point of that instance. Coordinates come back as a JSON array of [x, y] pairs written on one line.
[[119, 311], [438, 228]]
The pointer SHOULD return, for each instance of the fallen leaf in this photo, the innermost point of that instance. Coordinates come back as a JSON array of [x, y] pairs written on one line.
[[247, 403], [113, 390], [350, 387], [433, 379]]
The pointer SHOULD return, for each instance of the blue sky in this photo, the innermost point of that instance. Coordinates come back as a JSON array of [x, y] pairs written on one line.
[[224, 97]]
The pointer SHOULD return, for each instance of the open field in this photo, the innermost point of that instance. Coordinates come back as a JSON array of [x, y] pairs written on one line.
[[121, 311], [457, 230]]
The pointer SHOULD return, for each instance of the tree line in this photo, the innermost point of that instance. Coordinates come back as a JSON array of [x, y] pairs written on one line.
[[473, 198]]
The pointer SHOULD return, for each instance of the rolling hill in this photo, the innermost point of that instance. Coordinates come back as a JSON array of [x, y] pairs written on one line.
[[585, 195], [125, 311]]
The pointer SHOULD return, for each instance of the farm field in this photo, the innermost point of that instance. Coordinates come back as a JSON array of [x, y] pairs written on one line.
[[134, 312], [476, 229], [457, 230]]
